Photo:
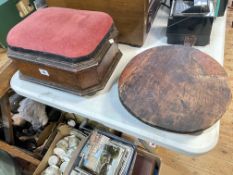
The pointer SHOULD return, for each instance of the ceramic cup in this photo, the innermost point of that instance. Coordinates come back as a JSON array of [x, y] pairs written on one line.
[[63, 166], [62, 144], [51, 170], [71, 123], [73, 141], [53, 160], [59, 152]]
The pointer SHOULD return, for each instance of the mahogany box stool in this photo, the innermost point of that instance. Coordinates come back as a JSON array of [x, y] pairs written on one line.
[[67, 49]]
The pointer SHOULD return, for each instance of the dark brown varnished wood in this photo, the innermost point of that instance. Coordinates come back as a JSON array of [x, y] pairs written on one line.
[[176, 88], [83, 78], [133, 18]]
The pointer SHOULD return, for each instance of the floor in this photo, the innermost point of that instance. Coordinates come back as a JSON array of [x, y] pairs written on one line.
[[219, 161]]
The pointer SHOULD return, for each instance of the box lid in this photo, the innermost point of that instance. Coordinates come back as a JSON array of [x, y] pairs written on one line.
[[61, 33]]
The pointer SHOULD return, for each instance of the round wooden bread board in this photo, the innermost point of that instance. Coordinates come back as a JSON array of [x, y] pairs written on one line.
[[176, 88]]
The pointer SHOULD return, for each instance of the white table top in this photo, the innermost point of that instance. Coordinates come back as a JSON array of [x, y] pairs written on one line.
[[106, 108]]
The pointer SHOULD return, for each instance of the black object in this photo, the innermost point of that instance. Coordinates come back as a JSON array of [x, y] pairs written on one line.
[[193, 19], [222, 7], [219, 5], [192, 7], [190, 19], [180, 28]]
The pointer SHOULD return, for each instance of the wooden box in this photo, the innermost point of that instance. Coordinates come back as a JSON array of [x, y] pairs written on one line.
[[72, 50], [133, 18]]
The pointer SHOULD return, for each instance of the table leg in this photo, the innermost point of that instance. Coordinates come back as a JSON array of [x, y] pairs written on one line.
[[6, 119]]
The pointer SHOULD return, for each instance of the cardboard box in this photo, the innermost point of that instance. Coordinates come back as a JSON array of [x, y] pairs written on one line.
[[151, 161], [62, 131]]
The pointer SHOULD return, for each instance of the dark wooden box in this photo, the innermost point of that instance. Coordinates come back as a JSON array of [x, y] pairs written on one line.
[[133, 18], [83, 75]]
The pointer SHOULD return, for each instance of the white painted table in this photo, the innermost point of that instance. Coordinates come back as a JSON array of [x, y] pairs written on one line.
[[105, 107]]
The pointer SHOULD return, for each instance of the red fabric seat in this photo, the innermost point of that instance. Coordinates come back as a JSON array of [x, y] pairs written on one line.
[[69, 33]]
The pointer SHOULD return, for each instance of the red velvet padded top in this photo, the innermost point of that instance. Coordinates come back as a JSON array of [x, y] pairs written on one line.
[[61, 31]]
